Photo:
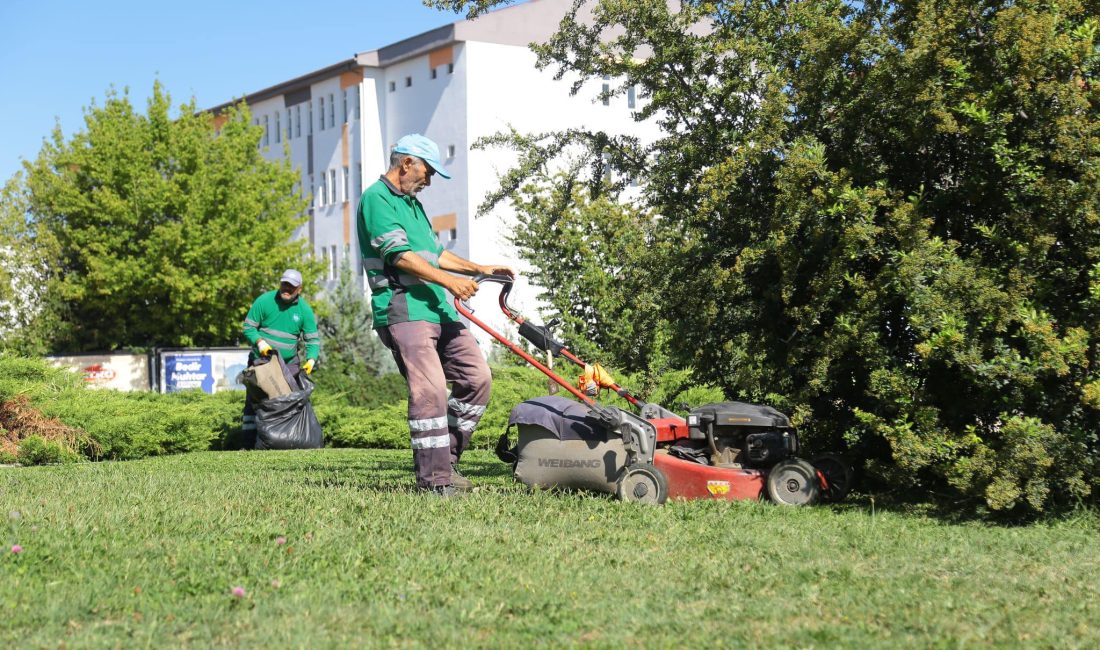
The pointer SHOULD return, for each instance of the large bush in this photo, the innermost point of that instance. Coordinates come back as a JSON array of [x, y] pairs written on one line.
[[115, 425], [883, 217]]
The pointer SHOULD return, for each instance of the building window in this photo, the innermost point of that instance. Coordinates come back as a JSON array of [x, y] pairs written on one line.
[[332, 186], [359, 178], [312, 198], [355, 99], [298, 121], [347, 181], [450, 68], [454, 234], [266, 130], [344, 97], [435, 73], [328, 263], [309, 119], [630, 102], [334, 263], [321, 110], [604, 93], [408, 81], [278, 128], [289, 125], [393, 86], [450, 152], [331, 111]]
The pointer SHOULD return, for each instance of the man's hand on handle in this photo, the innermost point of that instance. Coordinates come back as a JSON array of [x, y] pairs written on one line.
[[497, 269], [464, 288]]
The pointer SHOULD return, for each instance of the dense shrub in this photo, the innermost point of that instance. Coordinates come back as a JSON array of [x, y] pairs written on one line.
[[882, 217], [359, 388], [36, 450], [72, 421], [115, 425]]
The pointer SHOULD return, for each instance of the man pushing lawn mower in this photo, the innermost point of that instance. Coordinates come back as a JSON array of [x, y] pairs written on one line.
[[407, 273]]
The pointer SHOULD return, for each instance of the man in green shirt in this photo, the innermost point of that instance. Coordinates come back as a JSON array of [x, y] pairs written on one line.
[[274, 323], [407, 271]]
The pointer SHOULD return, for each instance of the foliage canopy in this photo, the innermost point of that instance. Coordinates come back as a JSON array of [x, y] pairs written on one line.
[[882, 217], [164, 229]]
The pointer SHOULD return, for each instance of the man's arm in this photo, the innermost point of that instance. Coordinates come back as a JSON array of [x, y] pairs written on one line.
[[252, 322], [310, 334], [412, 263], [463, 288], [448, 261]]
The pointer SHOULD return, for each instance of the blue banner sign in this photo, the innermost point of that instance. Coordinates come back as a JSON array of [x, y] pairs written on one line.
[[188, 372]]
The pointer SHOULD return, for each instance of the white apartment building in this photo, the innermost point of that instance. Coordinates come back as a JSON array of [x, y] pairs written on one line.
[[454, 84]]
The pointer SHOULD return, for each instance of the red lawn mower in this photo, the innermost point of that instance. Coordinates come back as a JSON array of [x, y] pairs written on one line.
[[727, 450]]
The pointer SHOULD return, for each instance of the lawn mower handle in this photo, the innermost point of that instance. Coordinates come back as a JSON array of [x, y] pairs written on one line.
[[537, 334], [505, 280]]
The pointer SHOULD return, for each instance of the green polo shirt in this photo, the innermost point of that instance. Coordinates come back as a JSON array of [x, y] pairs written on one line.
[[280, 324], [389, 224]]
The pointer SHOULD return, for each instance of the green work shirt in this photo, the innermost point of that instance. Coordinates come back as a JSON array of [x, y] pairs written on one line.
[[280, 324], [390, 223]]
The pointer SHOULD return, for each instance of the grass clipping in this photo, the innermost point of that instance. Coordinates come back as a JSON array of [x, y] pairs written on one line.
[[32, 438]]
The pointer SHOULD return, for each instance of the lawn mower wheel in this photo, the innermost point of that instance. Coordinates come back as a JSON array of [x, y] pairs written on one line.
[[793, 482]]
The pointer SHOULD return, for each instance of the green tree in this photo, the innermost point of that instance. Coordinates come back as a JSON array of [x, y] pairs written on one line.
[[166, 229], [885, 217], [346, 326], [589, 257], [28, 316]]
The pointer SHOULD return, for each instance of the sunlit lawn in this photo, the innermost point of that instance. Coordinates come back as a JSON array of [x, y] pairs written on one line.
[[148, 553]]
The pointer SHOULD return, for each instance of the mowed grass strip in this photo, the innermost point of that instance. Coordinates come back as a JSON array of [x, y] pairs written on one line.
[[147, 553]]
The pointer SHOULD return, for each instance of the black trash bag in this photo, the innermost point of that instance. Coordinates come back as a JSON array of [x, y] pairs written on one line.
[[288, 422]]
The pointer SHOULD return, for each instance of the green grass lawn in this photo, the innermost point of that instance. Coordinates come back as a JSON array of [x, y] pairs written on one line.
[[146, 553]]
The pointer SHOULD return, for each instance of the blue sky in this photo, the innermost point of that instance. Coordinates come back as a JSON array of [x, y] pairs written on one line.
[[57, 56]]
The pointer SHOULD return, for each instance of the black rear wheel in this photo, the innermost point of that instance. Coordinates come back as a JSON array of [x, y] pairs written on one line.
[[838, 477], [793, 482]]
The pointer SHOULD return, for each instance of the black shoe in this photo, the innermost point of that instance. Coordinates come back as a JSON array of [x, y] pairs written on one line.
[[459, 481]]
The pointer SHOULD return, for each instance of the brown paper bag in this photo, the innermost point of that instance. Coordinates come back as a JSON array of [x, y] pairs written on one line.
[[267, 377]]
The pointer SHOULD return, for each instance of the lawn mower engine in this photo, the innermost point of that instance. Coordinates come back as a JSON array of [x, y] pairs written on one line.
[[736, 435]]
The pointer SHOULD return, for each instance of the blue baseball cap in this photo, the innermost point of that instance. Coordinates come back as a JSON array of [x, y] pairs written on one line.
[[417, 145]]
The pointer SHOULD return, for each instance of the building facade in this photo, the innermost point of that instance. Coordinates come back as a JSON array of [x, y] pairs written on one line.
[[454, 84]]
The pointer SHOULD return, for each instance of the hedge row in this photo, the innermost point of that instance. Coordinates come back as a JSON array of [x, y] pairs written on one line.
[[69, 421]]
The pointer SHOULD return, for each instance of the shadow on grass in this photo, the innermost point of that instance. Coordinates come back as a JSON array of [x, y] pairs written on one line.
[[377, 474]]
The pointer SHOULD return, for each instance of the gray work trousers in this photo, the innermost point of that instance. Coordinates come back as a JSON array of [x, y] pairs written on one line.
[[440, 425]]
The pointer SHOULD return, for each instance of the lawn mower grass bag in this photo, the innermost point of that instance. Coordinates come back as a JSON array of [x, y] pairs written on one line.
[[560, 446], [288, 421]]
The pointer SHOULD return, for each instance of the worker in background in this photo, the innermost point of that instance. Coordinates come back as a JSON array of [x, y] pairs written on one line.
[[274, 324]]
